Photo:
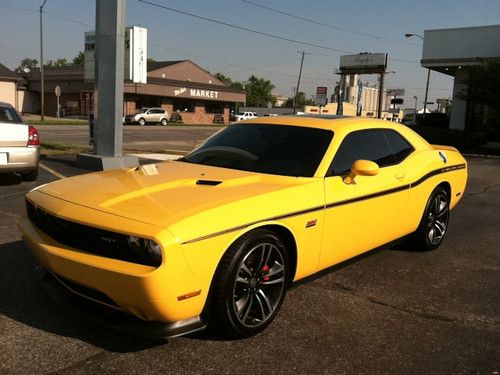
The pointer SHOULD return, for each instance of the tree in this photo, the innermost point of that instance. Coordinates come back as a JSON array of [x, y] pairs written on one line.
[[151, 60], [229, 82], [27, 63], [79, 59], [259, 92], [301, 101]]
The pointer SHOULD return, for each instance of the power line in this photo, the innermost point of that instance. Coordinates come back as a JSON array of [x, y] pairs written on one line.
[[269, 35], [241, 27], [326, 24], [47, 13]]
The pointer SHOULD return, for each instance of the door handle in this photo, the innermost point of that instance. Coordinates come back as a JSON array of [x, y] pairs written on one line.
[[400, 175]]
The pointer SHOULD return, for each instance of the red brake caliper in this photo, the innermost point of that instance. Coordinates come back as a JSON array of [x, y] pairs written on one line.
[[265, 269]]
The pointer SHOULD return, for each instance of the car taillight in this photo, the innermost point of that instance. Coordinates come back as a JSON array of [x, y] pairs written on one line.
[[33, 138]]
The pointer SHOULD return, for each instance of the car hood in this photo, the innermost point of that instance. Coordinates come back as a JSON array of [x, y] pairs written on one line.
[[190, 200]]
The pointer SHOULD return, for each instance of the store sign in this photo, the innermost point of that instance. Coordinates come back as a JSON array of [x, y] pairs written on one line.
[[321, 96], [135, 54], [197, 93], [208, 94], [363, 61], [395, 92]]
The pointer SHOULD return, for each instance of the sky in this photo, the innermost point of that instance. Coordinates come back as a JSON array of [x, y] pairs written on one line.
[[328, 30]]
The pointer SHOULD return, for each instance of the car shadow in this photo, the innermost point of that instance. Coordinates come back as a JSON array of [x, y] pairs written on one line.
[[25, 301], [7, 179]]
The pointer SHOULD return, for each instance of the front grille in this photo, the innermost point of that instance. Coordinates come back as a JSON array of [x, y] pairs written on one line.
[[82, 237]]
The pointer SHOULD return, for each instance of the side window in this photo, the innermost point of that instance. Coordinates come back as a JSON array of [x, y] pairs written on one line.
[[399, 145], [365, 144]]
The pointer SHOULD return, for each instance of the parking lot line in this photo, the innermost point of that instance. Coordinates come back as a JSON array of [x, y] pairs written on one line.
[[51, 171]]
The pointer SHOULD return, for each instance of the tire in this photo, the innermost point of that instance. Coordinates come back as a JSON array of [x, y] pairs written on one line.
[[250, 284], [142, 122], [31, 175], [434, 223], [163, 122]]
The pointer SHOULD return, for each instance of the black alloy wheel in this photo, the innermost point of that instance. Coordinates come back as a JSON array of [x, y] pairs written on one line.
[[434, 223], [250, 284]]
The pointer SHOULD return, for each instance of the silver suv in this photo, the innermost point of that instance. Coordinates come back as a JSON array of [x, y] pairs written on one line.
[[19, 144], [147, 115]]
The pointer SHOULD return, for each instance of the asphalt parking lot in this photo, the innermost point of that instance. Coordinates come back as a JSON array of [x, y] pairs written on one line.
[[391, 311]]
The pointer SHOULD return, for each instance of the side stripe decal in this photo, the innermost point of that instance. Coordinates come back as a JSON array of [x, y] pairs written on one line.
[[334, 204]]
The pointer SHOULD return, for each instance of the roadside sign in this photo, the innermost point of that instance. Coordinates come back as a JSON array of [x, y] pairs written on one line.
[[397, 101], [321, 95], [58, 91], [395, 92]]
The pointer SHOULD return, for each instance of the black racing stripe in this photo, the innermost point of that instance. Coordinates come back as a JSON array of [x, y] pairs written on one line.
[[369, 196], [436, 172], [280, 217], [334, 204]]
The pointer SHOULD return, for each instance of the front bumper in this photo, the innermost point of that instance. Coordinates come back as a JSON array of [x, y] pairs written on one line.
[[20, 159], [149, 293], [112, 317]]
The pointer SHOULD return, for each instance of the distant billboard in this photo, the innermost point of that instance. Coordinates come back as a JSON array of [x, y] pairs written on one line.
[[321, 96], [395, 92], [363, 63], [135, 56]]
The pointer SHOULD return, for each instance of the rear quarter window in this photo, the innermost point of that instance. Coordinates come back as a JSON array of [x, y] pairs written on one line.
[[9, 115]]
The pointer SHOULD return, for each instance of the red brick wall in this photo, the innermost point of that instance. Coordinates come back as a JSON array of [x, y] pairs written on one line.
[[200, 117], [167, 105], [130, 106]]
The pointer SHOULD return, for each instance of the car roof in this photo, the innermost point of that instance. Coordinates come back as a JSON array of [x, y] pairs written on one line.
[[3, 104], [328, 122]]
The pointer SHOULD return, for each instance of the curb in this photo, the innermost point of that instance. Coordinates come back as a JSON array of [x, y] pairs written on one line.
[[484, 156]]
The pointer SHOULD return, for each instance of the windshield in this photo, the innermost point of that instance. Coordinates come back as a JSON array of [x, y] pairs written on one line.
[[264, 148], [9, 115]]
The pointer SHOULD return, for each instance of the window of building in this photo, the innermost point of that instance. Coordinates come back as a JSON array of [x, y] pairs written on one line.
[[214, 107], [382, 146], [184, 105]]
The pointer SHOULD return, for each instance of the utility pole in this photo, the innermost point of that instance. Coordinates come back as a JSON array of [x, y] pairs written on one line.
[[298, 82], [426, 92], [109, 60], [42, 88]]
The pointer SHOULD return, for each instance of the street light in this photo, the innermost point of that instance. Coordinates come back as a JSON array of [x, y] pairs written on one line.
[[409, 35], [42, 98], [415, 116]]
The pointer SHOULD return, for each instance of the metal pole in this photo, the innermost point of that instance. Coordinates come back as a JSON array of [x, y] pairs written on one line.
[[380, 94], [415, 116], [426, 92], [298, 83], [42, 88], [110, 23], [340, 96]]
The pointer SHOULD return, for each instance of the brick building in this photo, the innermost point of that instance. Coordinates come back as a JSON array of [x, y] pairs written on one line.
[[177, 86]]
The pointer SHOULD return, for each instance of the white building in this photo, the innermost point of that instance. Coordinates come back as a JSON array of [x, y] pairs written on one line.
[[452, 52]]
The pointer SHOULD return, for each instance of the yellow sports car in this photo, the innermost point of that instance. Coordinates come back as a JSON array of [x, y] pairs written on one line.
[[217, 236]]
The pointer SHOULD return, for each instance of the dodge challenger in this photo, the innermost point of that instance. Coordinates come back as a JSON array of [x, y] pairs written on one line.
[[216, 237]]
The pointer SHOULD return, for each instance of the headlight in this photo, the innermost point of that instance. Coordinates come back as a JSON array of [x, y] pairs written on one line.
[[143, 248]]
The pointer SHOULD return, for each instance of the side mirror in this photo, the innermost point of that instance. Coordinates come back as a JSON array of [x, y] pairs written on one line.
[[361, 168]]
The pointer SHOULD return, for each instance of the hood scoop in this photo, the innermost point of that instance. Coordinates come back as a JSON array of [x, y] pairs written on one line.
[[208, 182]]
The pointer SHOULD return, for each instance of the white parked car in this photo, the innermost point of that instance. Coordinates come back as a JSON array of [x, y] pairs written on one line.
[[19, 144], [245, 116], [147, 116]]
